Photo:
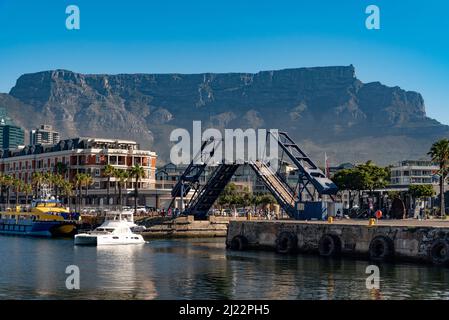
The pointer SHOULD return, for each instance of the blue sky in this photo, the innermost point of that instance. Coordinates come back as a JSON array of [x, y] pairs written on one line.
[[410, 50]]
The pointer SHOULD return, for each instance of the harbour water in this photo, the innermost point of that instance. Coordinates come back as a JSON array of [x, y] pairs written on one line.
[[32, 268]]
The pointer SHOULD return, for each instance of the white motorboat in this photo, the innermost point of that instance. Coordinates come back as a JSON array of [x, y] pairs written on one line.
[[116, 230], [126, 216]]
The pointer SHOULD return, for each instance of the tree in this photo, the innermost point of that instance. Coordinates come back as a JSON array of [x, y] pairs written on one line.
[[419, 191], [17, 184], [394, 194], [223, 200], [61, 168], [8, 182], [352, 180], [27, 189], [367, 176], [439, 152], [349, 180], [57, 180], [47, 179], [36, 180], [244, 198], [256, 201], [2, 190], [374, 177], [109, 173], [121, 176], [228, 195], [87, 182], [137, 172], [267, 199], [79, 178], [67, 191]]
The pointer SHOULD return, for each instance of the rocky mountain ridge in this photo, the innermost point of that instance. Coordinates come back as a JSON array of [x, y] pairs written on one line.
[[323, 109]]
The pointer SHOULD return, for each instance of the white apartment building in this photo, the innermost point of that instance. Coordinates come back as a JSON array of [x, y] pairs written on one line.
[[44, 135], [414, 172]]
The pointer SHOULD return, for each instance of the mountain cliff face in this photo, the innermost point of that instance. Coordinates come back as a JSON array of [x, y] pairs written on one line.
[[324, 109]]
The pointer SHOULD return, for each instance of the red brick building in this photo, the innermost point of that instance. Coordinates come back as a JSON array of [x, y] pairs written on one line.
[[82, 155]]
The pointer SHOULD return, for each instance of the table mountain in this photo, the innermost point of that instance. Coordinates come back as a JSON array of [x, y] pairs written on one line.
[[324, 109]]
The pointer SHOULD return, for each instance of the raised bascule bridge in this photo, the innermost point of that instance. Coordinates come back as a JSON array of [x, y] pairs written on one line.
[[311, 181], [310, 198]]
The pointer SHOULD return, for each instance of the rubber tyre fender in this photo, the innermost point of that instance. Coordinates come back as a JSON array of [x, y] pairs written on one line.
[[381, 248], [239, 243], [286, 242], [329, 245], [439, 252]]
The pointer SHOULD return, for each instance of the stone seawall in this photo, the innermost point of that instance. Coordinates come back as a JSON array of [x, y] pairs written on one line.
[[405, 240]]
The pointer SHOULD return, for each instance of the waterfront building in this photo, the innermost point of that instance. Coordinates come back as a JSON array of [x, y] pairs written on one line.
[[409, 172], [90, 156], [44, 135], [11, 136]]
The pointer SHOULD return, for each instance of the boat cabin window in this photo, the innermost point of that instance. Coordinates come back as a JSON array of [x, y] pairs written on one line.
[[110, 230]]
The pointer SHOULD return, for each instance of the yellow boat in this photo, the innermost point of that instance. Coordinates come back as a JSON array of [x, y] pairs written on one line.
[[46, 218]]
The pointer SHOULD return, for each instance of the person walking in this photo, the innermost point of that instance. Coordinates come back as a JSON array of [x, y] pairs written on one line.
[[421, 213]]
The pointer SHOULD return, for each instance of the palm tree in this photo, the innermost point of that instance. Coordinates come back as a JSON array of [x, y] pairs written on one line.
[[440, 154], [57, 180], [17, 184], [8, 182], [87, 181], [137, 172], [47, 179], [121, 176], [27, 189], [109, 173], [67, 191], [36, 180], [61, 168], [2, 178], [79, 178]]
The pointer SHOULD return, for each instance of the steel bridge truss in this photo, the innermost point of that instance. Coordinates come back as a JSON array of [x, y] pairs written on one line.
[[311, 180]]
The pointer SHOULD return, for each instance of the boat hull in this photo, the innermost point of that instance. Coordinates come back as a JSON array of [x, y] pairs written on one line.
[[103, 240], [38, 228]]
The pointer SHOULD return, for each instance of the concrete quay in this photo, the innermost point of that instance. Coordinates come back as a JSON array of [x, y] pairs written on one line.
[[186, 227], [407, 240]]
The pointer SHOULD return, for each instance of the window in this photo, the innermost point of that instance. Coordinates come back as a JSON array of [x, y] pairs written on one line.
[[97, 172]]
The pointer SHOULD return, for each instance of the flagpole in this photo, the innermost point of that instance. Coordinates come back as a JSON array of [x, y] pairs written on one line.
[[325, 164]]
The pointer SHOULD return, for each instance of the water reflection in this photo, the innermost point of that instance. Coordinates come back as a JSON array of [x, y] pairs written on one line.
[[199, 269], [114, 269]]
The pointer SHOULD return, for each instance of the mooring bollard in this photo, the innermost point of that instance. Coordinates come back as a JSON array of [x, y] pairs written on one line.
[[371, 222], [330, 219]]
